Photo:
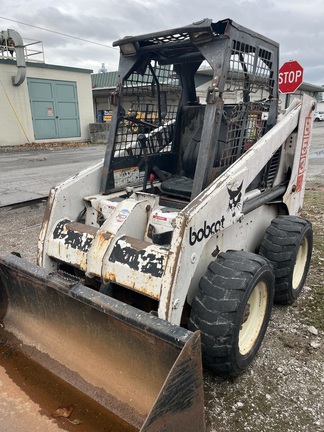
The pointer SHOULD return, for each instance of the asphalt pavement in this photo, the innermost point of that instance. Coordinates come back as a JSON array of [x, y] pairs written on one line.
[[28, 174]]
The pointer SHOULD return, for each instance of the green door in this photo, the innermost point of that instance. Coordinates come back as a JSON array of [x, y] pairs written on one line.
[[54, 107]]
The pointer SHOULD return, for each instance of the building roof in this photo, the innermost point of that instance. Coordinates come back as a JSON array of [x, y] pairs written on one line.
[[101, 82], [46, 66], [106, 80], [311, 87]]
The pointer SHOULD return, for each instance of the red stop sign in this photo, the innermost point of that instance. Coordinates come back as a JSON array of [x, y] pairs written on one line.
[[290, 77]]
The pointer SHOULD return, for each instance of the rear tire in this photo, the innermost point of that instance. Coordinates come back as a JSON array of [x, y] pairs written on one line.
[[232, 309], [288, 244]]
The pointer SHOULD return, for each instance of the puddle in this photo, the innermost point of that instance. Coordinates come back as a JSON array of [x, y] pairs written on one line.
[[54, 396]]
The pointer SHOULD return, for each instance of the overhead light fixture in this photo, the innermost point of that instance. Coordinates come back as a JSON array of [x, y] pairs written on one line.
[[201, 36], [201, 31], [129, 49]]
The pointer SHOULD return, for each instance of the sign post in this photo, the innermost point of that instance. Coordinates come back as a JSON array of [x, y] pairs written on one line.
[[290, 77]]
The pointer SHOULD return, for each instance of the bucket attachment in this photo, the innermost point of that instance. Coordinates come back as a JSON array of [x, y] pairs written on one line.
[[144, 369]]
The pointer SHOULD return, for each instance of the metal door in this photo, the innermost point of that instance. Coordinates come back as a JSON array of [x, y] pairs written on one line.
[[55, 110]]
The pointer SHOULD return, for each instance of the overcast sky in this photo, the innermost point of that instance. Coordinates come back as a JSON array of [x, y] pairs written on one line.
[[297, 25]]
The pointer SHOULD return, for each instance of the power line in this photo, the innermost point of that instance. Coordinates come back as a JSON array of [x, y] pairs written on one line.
[[59, 33]]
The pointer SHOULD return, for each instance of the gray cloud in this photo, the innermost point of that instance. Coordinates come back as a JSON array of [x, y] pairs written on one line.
[[297, 25]]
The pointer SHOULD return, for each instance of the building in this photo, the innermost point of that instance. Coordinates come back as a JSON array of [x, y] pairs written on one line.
[[49, 103], [204, 80], [41, 102], [310, 89], [104, 85]]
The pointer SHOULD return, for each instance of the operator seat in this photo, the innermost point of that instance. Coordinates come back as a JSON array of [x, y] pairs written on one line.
[[181, 184]]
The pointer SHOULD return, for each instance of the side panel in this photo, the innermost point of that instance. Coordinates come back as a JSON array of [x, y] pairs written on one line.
[[66, 201], [220, 207], [245, 235], [294, 196]]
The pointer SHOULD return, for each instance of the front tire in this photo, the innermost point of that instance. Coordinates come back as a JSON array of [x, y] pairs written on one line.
[[232, 309], [288, 244]]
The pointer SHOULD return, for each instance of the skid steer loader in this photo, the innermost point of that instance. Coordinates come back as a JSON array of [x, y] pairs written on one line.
[[181, 238]]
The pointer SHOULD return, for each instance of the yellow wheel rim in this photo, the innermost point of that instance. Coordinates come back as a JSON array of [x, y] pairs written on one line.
[[253, 317], [300, 264]]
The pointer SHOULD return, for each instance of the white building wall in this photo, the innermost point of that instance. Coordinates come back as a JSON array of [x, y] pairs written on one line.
[[235, 97], [320, 107], [16, 126]]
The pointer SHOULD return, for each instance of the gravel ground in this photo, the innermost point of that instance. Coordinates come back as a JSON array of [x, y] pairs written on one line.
[[284, 388]]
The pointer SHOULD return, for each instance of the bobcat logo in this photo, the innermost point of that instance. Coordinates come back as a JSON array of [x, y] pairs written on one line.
[[235, 196]]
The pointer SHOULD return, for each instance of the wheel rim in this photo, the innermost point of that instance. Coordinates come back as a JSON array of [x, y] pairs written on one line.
[[253, 317], [300, 264]]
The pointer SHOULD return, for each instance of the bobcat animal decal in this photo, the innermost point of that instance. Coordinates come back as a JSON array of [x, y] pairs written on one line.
[[235, 196]]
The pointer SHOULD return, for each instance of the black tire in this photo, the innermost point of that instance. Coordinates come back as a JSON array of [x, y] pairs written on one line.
[[232, 309], [288, 244]]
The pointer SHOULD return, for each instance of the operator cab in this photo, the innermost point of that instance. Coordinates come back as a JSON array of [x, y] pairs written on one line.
[[166, 139]]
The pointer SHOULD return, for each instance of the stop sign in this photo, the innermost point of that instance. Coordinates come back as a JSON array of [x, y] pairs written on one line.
[[290, 77]]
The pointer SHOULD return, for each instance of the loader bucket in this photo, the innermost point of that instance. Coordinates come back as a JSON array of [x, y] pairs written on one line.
[[145, 370]]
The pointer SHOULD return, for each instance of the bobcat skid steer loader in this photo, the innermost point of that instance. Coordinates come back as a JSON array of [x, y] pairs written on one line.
[[177, 243]]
